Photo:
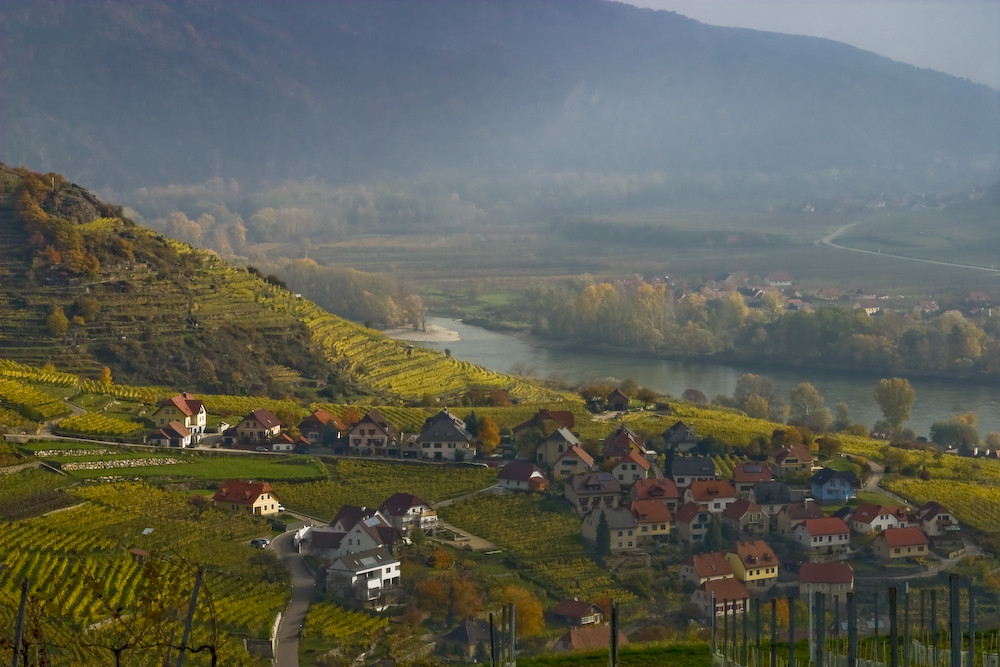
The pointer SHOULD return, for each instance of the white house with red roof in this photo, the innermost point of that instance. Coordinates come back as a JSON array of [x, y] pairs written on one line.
[[896, 543], [823, 533], [522, 476], [630, 469], [792, 514], [869, 518], [835, 580], [322, 424], [714, 494], [700, 568], [190, 412], [577, 613], [249, 497], [691, 522]]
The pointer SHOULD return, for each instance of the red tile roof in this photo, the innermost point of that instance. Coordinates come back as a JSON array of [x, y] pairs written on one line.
[[740, 508], [903, 537], [688, 512], [650, 511], [755, 552], [575, 609], [632, 457], [656, 488], [188, 406], [725, 589], [240, 492], [751, 472], [826, 526], [590, 637], [265, 417], [826, 573], [398, 503], [520, 471], [712, 564], [578, 452], [704, 490]]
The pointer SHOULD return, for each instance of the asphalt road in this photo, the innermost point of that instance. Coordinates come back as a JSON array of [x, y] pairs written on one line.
[[286, 652]]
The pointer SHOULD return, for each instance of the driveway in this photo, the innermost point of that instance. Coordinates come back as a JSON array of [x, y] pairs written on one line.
[[286, 653]]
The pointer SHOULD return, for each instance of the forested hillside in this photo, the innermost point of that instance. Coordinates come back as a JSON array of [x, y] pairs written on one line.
[[85, 288], [124, 95]]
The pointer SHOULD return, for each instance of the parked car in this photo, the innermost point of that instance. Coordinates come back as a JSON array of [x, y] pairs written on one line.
[[262, 449], [260, 543], [281, 508]]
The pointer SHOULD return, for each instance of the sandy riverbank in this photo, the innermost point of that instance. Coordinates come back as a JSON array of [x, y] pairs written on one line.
[[432, 333]]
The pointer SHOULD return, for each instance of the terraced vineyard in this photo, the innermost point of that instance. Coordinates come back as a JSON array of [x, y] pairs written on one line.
[[343, 626], [79, 562], [546, 546]]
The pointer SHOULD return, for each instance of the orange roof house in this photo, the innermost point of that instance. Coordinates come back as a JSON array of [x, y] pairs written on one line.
[[249, 497]]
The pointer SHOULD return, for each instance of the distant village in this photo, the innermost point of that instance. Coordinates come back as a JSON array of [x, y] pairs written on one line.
[[778, 521]]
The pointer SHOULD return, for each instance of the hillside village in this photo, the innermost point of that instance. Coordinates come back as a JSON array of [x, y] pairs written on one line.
[[783, 521]]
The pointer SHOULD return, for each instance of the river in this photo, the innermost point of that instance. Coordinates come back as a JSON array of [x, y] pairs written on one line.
[[936, 400]]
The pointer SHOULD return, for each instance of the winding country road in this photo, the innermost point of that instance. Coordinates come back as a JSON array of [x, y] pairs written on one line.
[[829, 240], [286, 653]]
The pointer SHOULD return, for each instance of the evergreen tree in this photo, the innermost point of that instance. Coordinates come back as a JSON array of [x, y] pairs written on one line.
[[603, 537]]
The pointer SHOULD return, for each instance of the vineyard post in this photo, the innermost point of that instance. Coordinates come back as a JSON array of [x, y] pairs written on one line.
[[893, 629], [852, 631], [713, 623], [934, 634], [19, 628], [756, 604], [906, 624], [513, 662], [791, 631], [746, 649], [954, 627], [190, 617], [820, 628], [774, 631], [972, 628]]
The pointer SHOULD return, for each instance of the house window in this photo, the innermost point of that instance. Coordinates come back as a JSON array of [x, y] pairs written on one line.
[[619, 533]]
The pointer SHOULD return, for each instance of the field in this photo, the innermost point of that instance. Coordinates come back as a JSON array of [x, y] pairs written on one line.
[[369, 483], [672, 655], [193, 465]]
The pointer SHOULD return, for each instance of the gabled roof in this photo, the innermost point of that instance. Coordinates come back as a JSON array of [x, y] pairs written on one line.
[[348, 516], [929, 511], [688, 512], [791, 453], [755, 553], [323, 539], [632, 457], [322, 417], [520, 471], [264, 417], [692, 466], [547, 420], [865, 513], [725, 589], [575, 609], [650, 511], [751, 472], [826, 526], [712, 564], [563, 434], [622, 440], [821, 477], [590, 637], [737, 510], [471, 632], [188, 406], [778, 493], [706, 490], [445, 426], [655, 488], [373, 416], [576, 451], [364, 560], [903, 537], [240, 492], [826, 573], [399, 503], [802, 511], [595, 482], [679, 432], [617, 394], [175, 429], [617, 517]]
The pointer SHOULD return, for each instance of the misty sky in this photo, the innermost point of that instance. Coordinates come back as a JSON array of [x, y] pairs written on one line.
[[960, 37]]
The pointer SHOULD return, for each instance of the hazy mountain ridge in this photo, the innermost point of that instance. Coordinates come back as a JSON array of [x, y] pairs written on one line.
[[138, 94]]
